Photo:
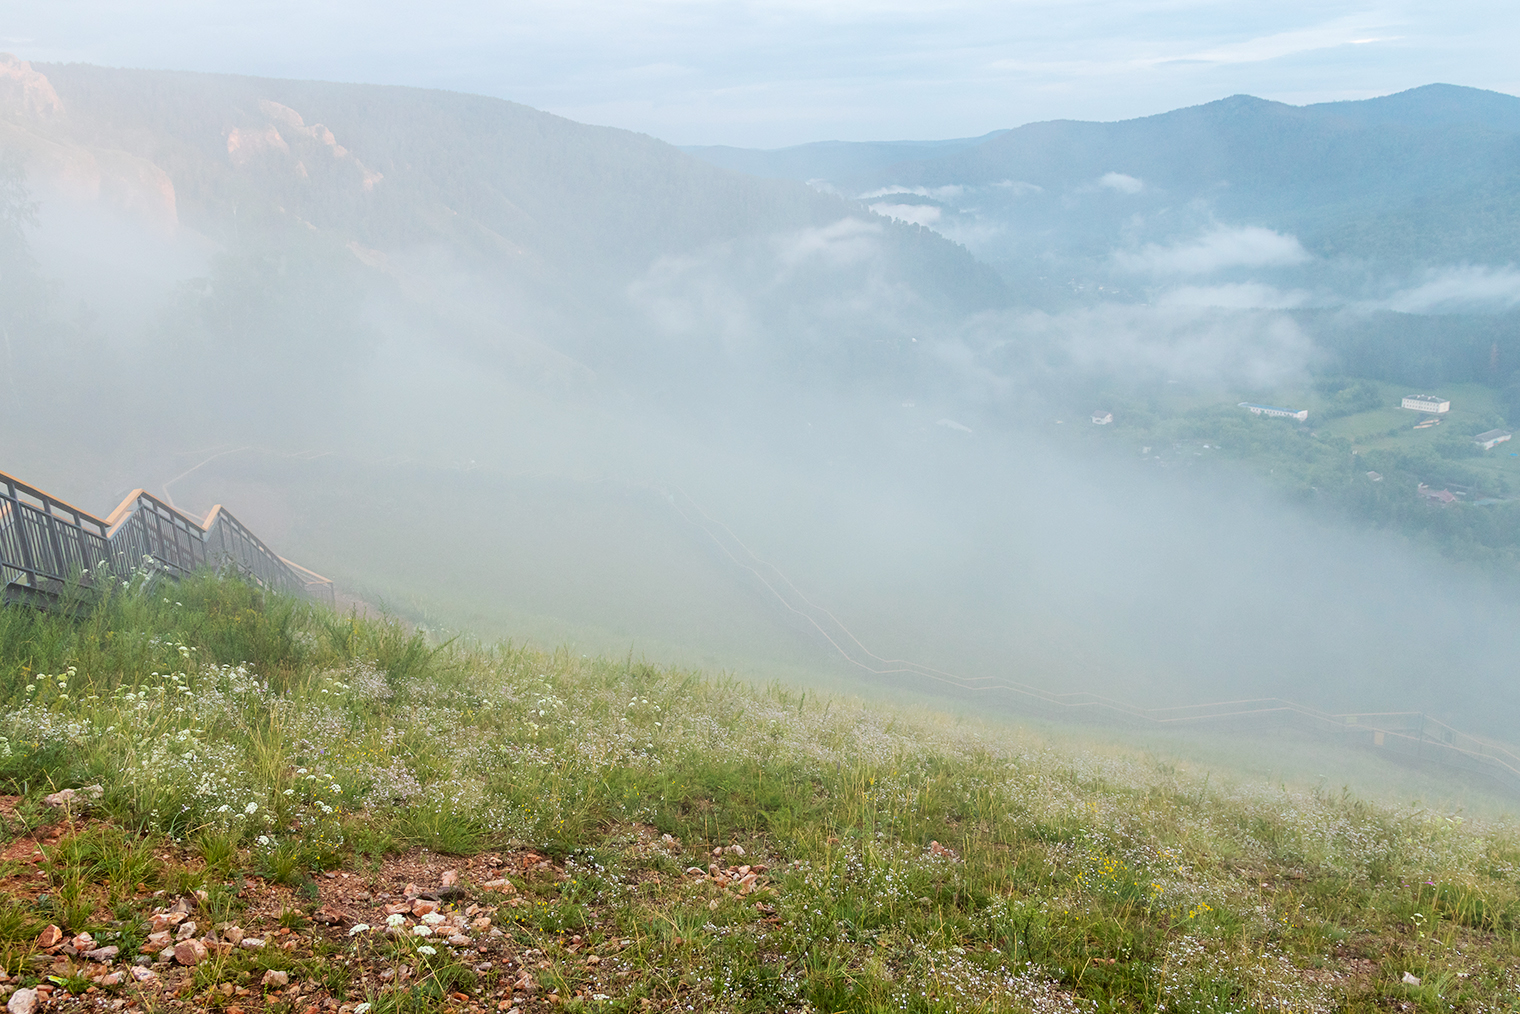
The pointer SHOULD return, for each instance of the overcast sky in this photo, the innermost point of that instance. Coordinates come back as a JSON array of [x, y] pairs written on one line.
[[770, 73]]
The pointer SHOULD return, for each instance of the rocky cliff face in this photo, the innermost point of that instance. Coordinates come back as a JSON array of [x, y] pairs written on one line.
[[35, 131], [24, 92]]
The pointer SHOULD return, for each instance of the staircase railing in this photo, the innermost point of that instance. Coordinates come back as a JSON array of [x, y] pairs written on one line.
[[45, 543]]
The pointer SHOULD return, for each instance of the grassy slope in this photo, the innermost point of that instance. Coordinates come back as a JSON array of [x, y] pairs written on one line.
[[244, 744]]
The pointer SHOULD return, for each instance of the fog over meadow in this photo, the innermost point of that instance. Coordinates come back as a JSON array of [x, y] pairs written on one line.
[[489, 367]]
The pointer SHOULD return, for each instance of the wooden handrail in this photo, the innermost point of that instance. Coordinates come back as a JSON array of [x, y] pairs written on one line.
[[45, 544]]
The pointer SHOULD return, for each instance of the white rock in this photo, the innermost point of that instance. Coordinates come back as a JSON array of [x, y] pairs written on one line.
[[275, 977], [1411, 979], [23, 1001]]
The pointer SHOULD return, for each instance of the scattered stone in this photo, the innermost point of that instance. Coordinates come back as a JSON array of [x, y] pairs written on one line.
[[329, 916], [83, 942], [74, 799], [735, 850], [190, 952], [105, 954], [449, 878], [23, 1001], [142, 974], [158, 941], [459, 940], [1411, 979], [501, 884], [939, 851], [422, 907], [412, 891], [275, 977], [251, 943], [50, 937], [186, 930], [481, 924], [233, 935], [110, 979]]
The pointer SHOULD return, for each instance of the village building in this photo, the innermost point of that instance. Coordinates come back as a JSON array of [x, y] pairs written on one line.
[[1426, 403], [1488, 441], [1276, 413]]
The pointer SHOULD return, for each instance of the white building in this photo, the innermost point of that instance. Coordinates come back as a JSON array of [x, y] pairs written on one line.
[[1276, 413], [1488, 440], [1426, 403]]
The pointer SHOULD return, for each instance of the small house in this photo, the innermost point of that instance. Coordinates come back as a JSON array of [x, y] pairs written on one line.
[[1488, 441]]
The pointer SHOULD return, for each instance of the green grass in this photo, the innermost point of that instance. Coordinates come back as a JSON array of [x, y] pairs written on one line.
[[914, 860]]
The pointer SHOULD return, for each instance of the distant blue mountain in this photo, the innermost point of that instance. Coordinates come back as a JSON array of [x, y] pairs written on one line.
[[1429, 175]]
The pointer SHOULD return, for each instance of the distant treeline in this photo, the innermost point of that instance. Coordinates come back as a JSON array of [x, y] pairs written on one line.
[[1423, 351]]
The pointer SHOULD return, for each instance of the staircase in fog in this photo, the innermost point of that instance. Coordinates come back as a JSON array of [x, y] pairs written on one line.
[[48, 545]]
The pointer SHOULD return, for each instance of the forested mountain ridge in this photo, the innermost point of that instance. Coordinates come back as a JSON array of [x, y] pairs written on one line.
[[1383, 185]]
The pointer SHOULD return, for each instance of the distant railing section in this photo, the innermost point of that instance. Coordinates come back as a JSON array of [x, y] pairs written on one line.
[[1408, 735], [1405, 735], [45, 543]]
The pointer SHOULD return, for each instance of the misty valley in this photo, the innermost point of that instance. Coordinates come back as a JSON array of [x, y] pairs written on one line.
[[1071, 568]]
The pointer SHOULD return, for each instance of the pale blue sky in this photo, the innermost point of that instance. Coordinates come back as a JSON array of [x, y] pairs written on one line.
[[766, 74]]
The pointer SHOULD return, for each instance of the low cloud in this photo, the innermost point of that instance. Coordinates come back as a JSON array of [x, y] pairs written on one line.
[[944, 193], [1454, 289], [1191, 344], [1237, 296], [1249, 246], [847, 241], [1120, 182]]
